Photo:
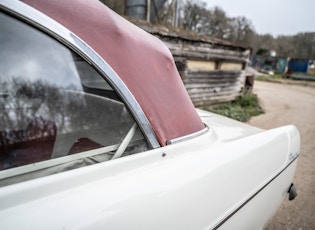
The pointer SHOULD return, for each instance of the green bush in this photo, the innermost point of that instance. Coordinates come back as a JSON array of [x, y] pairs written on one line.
[[241, 109]]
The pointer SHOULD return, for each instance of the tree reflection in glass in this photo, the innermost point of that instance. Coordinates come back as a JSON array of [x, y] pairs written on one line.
[[52, 102]]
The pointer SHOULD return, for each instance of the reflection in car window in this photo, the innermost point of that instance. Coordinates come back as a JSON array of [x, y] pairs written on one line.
[[54, 104]]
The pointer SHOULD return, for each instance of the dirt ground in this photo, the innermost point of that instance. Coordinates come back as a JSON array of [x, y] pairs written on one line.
[[291, 104]]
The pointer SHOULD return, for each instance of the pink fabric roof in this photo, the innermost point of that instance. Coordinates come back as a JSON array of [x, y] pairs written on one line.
[[142, 61]]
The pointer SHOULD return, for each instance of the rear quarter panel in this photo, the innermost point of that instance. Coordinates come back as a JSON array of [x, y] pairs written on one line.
[[190, 185]]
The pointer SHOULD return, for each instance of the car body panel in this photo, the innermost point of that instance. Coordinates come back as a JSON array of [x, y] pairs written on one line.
[[174, 187]]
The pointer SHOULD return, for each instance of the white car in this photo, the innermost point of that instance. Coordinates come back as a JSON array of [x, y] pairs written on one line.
[[97, 131]]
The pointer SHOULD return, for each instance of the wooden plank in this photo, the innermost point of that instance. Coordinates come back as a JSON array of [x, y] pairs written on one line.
[[195, 65], [213, 73], [231, 66], [214, 92], [201, 86], [211, 87], [207, 56]]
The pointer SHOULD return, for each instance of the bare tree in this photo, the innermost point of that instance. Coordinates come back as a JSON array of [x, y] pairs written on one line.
[[194, 16], [217, 24], [242, 30]]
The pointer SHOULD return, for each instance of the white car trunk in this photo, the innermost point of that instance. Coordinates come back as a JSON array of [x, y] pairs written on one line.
[[204, 183]]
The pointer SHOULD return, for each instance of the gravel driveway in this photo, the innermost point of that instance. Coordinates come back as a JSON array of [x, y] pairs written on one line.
[[291, 104]]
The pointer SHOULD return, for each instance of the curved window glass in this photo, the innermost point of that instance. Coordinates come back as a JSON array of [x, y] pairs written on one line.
[[54, 105]]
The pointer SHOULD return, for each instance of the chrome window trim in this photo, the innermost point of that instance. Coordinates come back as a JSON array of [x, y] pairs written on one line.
[[189, 136], [39, 20], [16, 171]]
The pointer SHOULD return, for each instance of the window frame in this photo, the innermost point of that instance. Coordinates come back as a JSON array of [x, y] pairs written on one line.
[[43, 23]]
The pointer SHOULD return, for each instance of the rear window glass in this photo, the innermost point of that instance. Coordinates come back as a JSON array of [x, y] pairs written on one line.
[[53, 105]]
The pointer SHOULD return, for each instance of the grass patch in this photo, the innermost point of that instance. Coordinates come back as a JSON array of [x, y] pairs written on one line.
[[241, 109], [268, 77], [310, 74], [279, 76]]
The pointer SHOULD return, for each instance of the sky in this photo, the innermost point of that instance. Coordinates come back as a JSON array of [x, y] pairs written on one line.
[[276, 17]]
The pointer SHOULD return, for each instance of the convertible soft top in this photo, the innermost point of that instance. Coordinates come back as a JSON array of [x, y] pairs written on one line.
[[142, 61]]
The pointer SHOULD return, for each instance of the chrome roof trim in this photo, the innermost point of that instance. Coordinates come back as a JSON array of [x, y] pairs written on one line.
[[187, 137], [66, 37]]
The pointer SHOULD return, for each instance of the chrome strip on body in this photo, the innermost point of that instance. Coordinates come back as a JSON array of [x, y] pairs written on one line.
[[187, 137], [66, 37], [218, 225]]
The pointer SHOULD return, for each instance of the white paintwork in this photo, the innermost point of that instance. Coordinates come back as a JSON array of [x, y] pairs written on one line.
[[195, 186]]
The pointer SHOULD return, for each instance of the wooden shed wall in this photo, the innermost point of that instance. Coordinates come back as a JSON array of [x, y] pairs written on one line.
[[210, 74], [212, 70], [211, 87]]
